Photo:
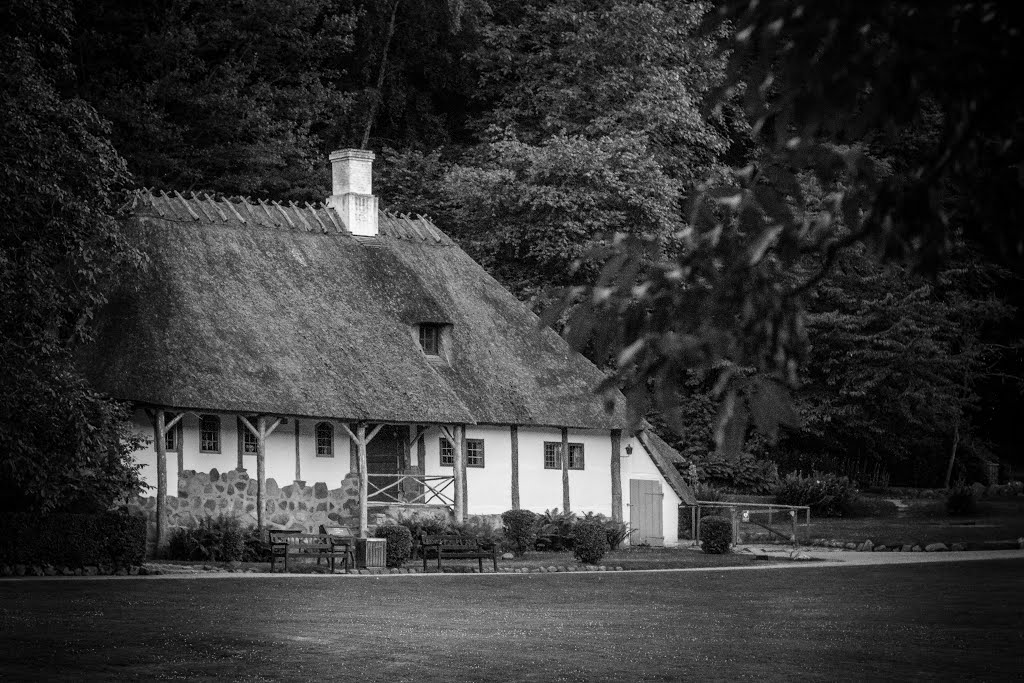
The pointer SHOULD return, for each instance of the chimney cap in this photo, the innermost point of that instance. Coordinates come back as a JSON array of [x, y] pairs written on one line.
[[360, 154]]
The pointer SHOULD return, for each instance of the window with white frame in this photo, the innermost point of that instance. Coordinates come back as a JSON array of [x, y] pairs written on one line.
[[250, 444], [209, 434], [324, 440], [447, 453], [474, 452], [553, 455]]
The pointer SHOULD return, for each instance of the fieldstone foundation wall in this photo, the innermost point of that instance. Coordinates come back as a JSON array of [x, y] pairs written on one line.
[[294, 506]]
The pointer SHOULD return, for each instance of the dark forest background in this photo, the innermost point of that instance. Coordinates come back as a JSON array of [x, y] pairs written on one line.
[[805, 219]]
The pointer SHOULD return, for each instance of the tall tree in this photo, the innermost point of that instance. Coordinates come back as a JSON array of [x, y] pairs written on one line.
[[61, 444], [236, 97]]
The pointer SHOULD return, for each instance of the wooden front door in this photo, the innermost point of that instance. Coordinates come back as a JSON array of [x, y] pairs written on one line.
[[384, 456], [645, 499]]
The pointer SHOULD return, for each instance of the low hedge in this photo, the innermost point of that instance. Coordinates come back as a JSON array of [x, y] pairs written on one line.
[[113, 539], [715, 535]]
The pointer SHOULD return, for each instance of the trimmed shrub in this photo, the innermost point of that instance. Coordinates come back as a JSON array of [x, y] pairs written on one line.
[[114, 539], [715, 535], [826, 494], [961, 502], [590, 542], [520, 529], [214, 539], [399, 546]]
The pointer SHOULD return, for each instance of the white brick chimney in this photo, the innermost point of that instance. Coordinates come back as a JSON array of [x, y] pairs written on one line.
[[352, 190]]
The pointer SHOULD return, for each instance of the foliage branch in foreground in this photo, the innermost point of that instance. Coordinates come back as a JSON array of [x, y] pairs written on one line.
[[820, 83]]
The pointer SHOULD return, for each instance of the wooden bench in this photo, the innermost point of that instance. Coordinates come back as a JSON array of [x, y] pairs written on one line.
[[325, 546], [458, 548]]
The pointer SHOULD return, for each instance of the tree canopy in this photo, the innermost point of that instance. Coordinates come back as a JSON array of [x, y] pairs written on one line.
[[803, 218]]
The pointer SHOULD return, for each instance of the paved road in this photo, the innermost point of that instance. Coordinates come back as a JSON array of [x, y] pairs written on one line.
[[935, 619]]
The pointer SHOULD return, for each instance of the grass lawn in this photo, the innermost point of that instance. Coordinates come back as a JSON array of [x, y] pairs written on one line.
[[956, 620]]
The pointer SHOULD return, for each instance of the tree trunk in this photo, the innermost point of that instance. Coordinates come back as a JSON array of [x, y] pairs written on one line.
[[375, 102], [952, 453]]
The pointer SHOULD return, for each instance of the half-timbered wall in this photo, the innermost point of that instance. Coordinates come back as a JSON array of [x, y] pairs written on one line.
[[489, 489]]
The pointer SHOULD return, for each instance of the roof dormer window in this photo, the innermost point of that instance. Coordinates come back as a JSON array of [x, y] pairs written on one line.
[[430, 339]]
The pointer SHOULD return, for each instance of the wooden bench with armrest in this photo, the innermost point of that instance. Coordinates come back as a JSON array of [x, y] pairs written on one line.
[[448, 547], [322, 546]]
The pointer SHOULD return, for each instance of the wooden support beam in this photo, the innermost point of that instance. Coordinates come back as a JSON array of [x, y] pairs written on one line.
[[514, 432], [421, 449], [298, 459], [459, 463], [565, 469], [261, 470], [464, 454], [617, 475], [174, 420], [161, 480], [361, 442]]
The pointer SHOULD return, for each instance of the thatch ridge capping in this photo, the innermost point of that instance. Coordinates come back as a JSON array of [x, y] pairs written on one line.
[[244, 211]]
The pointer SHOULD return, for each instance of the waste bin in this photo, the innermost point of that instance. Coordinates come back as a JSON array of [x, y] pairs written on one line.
[[371, 552]]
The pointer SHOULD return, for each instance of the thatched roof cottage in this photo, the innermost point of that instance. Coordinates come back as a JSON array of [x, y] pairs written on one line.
[[340, 343]]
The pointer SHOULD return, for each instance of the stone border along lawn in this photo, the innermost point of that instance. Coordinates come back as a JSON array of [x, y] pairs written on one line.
[[531, 563]]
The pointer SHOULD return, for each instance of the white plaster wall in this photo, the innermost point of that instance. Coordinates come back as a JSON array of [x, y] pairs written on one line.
[[489, 489], [639, 465], [540, 489], [315, 468], [280, 454]]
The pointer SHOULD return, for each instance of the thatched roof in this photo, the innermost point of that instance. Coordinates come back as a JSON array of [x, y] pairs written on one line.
[[266, 308]]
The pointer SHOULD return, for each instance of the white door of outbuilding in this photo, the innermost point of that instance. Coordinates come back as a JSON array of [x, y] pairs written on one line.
[[645, 498]]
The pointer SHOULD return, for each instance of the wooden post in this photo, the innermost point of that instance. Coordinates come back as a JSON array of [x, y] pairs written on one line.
[[792, 514], [465, 475], [459, 464], [693, 525], [735, 525], [298, 460], [565, 469], [514, 433], [421, 450], [261, 470], [161, 479], [364, 518], [617, 475]]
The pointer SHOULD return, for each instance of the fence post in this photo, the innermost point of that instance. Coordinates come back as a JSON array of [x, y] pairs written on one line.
[[735, 525], [792, 515], [770, 508]]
